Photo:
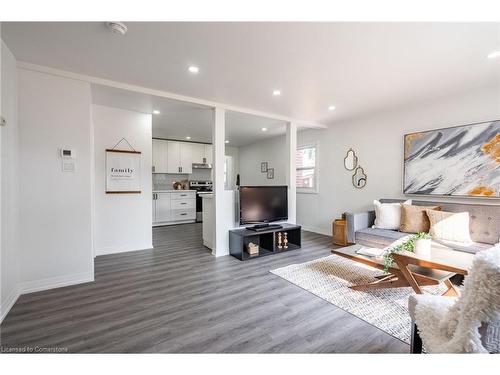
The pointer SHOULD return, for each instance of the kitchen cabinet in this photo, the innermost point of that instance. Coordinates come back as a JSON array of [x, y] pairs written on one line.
[[162, 207], [159, 156], [173, 157], [178, 157], [208, 154], [186, 157], [174, 207], [198, 152]]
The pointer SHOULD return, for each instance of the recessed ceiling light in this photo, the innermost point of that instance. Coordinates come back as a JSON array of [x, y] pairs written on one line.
[[331, 108], [188, 137], [227, 141], [494, 54], [264, 129], [276, 92], [193, 69], [156, 112]]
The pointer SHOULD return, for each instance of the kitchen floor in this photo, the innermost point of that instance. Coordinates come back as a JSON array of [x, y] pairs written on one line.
[[177, 298]]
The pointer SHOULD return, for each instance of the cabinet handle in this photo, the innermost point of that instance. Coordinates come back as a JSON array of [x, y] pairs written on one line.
[[183, 203], [181, 169], [204, 160], [154, 169], [184, 214]]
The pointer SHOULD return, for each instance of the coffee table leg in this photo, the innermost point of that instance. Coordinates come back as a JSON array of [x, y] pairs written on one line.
[[391, 281], [452, 291]]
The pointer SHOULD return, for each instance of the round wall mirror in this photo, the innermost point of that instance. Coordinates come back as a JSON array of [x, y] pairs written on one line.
[[359, 178], [350, 160]]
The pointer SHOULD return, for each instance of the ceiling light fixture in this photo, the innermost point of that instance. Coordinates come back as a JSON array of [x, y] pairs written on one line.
[[117, 27], [276, 92], [227, 141], [193, 69], [188, 137], [156, 112], [494, 54], [331, 108], [264, 129]]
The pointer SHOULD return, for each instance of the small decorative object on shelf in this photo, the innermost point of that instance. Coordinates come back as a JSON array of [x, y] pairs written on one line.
[[177, 185], [253, 249], [270, 173], [280, 243], [285, 240]]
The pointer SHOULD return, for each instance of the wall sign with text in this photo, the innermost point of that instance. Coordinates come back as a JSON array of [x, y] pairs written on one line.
[[123, 172]]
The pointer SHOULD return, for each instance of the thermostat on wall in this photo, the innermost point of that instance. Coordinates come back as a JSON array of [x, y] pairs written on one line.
[[67, 153]]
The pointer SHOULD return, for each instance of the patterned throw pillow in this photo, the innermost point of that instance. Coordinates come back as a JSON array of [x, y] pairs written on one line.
[[451, 226], [414, 219]]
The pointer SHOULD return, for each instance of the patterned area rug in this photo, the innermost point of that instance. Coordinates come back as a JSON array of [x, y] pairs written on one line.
[[329, 278]]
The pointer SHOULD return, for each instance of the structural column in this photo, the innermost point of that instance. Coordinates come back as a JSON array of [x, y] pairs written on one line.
[[218, 138], [291, 172]]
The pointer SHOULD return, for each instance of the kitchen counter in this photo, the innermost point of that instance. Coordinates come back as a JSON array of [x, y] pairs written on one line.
[[172, 191]]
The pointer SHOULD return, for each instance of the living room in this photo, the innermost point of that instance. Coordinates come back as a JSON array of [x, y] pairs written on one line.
[[351, 197]]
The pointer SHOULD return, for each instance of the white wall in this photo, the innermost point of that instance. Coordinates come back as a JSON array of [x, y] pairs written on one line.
[[55, 207], [378, 142], [9, 187], [123, 222], [274, 151]]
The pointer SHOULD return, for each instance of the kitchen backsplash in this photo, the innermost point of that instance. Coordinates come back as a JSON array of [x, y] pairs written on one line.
[[164, 181]]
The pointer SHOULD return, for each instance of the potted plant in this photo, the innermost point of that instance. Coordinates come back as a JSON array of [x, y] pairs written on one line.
[[422, 244], [419, 244]]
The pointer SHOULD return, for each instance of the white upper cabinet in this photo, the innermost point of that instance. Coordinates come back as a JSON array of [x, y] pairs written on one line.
[[159, 156], [197, 152], [178, 157], [186, 157], [173, 157], [208, 154]]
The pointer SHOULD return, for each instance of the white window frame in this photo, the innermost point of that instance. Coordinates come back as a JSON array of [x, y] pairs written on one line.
[[315, 189]]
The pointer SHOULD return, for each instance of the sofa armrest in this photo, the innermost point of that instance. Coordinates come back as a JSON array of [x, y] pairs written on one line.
[[357, 221]]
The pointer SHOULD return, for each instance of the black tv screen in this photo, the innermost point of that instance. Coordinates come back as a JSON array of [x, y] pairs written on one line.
[[263, 204]]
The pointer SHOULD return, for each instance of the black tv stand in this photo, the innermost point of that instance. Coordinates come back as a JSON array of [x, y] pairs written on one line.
[[266, 239], [263, 227]]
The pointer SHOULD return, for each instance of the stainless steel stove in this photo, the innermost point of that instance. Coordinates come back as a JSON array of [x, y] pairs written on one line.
[[201, 187]]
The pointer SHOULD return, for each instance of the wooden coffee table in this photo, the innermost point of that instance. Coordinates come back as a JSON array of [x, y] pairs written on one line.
[[411, 270]]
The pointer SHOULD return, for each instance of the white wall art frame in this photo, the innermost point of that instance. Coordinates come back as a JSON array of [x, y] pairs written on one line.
[[123, 172]]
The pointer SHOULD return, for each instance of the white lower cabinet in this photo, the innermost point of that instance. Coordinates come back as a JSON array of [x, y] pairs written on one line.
[[174, 207], [163, 207]]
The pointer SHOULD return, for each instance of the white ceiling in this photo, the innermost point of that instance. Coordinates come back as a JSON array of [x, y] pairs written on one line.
[[177, 120], [359, 67]]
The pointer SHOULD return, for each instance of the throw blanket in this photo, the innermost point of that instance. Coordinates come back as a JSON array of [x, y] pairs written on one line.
[[451, 325]]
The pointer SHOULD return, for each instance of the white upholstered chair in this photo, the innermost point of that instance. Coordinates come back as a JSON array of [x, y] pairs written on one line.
[[466, 324]]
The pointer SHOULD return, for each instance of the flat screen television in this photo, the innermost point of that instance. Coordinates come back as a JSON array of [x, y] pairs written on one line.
[[263, 204]]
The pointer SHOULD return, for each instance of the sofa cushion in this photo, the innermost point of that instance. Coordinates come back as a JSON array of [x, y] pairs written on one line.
[[450, 226], [388, 215], [471, 247], [378, 237], [414, 219]]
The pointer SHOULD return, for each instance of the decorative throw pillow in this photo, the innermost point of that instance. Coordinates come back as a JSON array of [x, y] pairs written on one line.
[[414, 219], [451, 226], [388, 215]]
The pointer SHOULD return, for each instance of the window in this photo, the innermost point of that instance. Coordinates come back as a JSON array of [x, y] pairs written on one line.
[[307, 173]]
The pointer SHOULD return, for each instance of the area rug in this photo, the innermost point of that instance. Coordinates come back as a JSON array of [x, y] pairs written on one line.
[[329, 278]]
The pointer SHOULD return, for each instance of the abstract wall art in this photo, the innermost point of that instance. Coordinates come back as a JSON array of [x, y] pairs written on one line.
[[457, 161]]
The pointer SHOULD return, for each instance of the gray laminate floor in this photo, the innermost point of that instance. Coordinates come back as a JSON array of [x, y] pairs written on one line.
[[177, 298]]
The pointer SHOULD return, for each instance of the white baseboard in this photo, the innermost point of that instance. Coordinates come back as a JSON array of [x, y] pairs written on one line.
[[7, 304], [118, 250], [317, 230], [56, 282]]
